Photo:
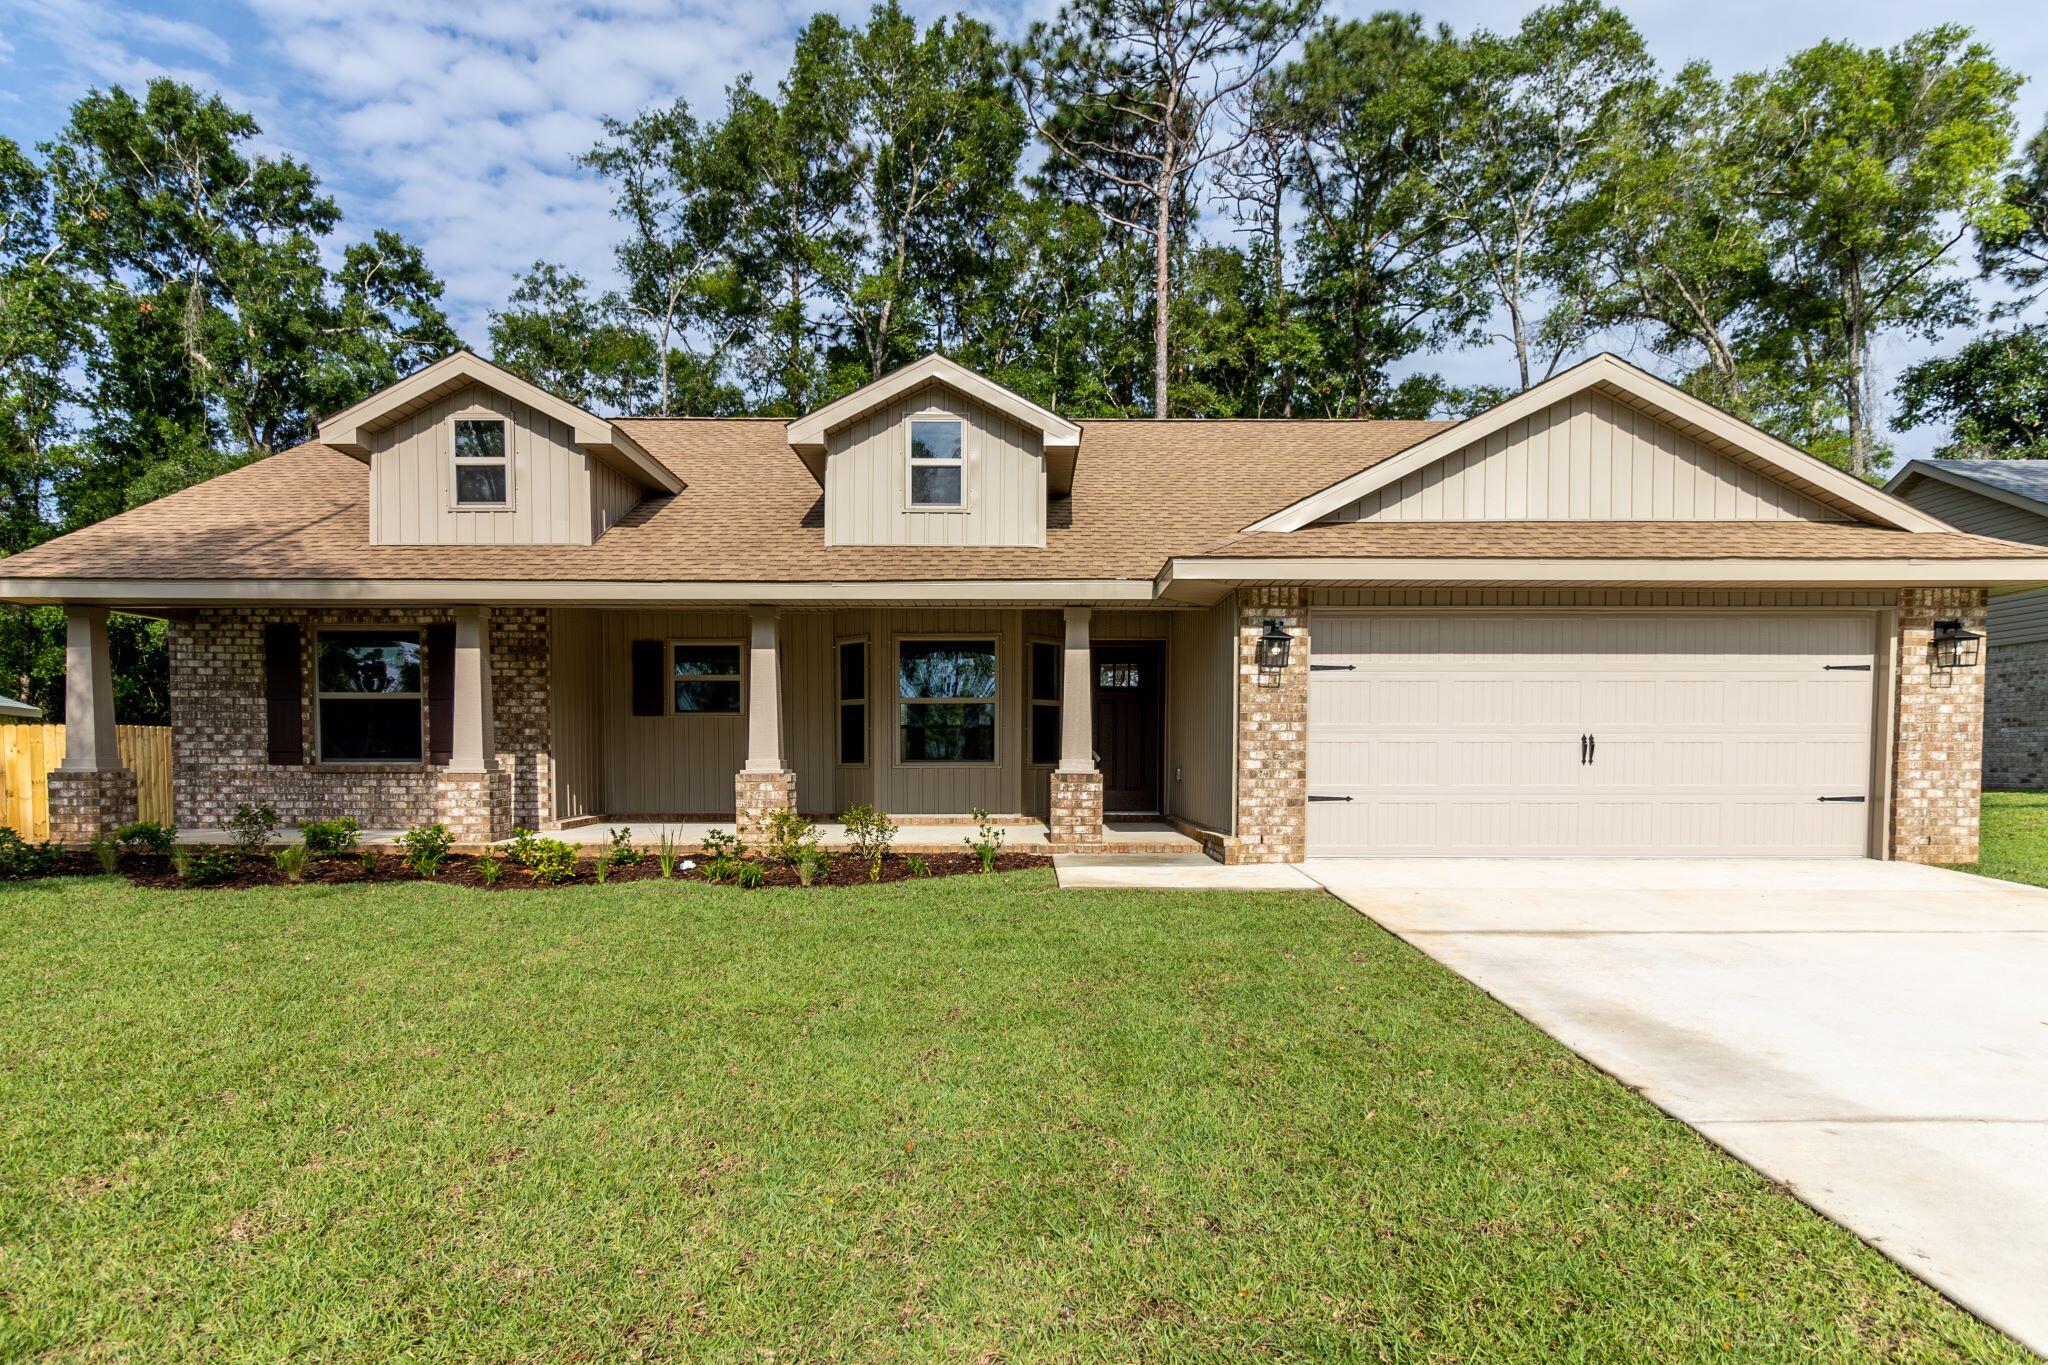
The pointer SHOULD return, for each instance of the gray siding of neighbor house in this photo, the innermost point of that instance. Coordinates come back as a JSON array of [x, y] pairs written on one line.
[[867, 495], [1587, 458], [557, 495], [2016, 619]]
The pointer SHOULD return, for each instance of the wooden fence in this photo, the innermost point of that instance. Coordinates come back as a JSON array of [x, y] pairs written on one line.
[[28, 752]]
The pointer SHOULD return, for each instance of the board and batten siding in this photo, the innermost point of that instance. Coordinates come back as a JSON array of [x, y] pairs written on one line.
[[1201, 714], [1586, 458], [560, 495], [867, 495], [575, 661], [2015, 618]]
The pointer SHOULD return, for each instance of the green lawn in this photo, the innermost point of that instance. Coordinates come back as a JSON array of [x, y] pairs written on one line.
[[977, 1118], [2013, 844]]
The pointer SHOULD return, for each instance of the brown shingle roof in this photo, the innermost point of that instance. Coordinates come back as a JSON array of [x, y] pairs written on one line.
[[1616, 540]]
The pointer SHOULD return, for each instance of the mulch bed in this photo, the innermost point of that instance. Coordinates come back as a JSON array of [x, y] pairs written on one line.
[[461, 870]]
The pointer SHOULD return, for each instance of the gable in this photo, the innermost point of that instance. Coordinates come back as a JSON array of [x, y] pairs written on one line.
[[1587, 457], [1967, 505], [1002, 469]]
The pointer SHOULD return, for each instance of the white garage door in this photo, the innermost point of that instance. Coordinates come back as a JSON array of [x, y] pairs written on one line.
[[1481, 733]]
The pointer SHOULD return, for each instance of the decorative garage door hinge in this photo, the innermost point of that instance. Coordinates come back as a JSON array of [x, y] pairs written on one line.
[[1333, 668], [1845, 668], [1313, 797], [1856, 799]]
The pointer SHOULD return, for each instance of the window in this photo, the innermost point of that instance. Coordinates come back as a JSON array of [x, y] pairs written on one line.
[[705, 679], [368, 696], [936, 469], [482, 474], [947, 690], [853, 702], [1045, 702], [1118, 677]]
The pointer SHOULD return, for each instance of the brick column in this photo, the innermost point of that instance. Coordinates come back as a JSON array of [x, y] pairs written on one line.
[[1271, 821], [1938, 745], [90, 793]]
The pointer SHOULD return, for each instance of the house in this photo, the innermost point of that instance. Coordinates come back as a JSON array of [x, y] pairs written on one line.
[[1602, 617], [2007, 499]]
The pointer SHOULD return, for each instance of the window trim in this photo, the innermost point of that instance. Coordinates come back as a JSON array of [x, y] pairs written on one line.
[[911, 463], [897, 701], [456, 462], [311, 662], [841, 702], [1032, 701], [669, 679]]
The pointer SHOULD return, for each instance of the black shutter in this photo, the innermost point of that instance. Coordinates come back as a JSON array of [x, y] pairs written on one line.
[[647, 678], [283, 680], [440, 692]]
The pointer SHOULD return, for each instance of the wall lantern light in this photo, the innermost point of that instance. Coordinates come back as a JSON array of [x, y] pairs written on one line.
[[1274, 643], [1955, 647]]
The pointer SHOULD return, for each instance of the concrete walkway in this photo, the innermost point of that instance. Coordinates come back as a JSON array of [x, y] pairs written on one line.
[[1873, 1034]]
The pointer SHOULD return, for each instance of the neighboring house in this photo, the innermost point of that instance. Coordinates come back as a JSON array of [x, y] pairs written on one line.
[[2007, 499], [10, 709], [1603, 617]]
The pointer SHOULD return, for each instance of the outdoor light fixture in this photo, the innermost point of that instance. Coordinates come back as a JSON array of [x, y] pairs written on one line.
[[1955, 647], [1274, 642]]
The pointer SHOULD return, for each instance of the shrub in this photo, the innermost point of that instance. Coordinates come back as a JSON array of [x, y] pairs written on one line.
[[723, 855], [253, 826], [550, 861], [916, 866], [987, 842], [813, 865], [489, 868], [147, 836], [870, 832], [521, 847], [621, 853], [209, 866], [750, 876], [790, 836], [426, 848], [108, 854], [20, 858], [369, 860], [292, 860], [666, 857], [326, 838]]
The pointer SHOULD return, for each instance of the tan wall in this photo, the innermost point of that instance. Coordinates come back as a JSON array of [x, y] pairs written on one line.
[[576, 654], [412, 484], [1587, 457], [1201, 714], [866, 480]]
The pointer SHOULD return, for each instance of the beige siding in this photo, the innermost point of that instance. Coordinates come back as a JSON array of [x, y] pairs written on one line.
[[666, 765], [613, 495], [867, 476], [1630, 598], [1976, 513], [412, 484], [1586, 458], [575, 661], [1201, 715]]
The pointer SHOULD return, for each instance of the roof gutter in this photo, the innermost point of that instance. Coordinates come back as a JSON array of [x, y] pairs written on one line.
[[170, 592], [1186, 578]]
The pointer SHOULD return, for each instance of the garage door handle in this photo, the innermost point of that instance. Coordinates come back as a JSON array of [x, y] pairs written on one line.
[[1313, 797], [1856, 799]]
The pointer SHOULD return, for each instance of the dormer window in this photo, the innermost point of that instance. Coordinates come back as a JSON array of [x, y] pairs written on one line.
[[937, 473], [483, 475]]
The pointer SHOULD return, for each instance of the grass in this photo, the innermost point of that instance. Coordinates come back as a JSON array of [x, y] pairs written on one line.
[[2013, 842], [973, 1117]]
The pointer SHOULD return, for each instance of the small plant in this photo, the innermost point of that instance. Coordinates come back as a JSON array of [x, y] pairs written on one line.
[[621, 853], [987, 842], [328, 838], [723, 855], [107, 853], [750, 876], [916, 866], [550, 861], [292, 860], [870, 832], [789, 836], [489, 868], [20, 858], [601, 869], [666, 856], [209, 866], [147, 836], [253, 826], [813, 865], [181, 863], [426, 848], [522, 845], [369, 860]]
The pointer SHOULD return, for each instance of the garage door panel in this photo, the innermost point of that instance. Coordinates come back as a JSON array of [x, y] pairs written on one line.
[[1715, 733]]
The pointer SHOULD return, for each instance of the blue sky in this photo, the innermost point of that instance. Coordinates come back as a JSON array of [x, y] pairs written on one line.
[[458, 124]]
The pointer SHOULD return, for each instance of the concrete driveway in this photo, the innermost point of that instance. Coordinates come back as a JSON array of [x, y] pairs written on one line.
[[1875, 1035]]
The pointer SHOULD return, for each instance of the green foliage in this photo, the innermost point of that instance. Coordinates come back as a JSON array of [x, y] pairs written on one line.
[[292, 860], [601, 869], [620, 852], [253, 825], [369, 860], [790, 836], [916, 866], [587, 351], [719, 844], [206, 866], [549, 861], [523, 844], [2012, 242], [426, 848], [106, 853], [330, 838], [1993, 394], [870, 833], [489, 868], [986, 842], [814, 864], [749, 876], [667, 856], [147, 836]]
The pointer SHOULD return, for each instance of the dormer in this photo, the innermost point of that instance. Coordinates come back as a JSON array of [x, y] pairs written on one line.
[[935, 454], [464, 453]]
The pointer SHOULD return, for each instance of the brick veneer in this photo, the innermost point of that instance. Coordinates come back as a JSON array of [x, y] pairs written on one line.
[[86, 805], [1937, 751], [2016, 716], [1272, 734], [1075, 803], [756, 797], [219, 731]]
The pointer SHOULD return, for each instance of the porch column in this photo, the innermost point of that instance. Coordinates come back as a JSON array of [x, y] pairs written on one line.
[[1074, 802], [91, 794], [473, 796], [765, 785]]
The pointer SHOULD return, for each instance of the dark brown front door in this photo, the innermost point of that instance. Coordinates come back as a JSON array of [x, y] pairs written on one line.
[[1129, 686]]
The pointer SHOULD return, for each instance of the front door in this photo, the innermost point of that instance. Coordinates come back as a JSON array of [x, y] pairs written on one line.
[[1129, 687]]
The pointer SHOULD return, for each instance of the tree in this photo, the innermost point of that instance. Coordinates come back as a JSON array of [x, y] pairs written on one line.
[[2014, 244], [1872, 165], [1131, 91], [42, 333], [586, 351], [1993, 393]]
